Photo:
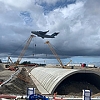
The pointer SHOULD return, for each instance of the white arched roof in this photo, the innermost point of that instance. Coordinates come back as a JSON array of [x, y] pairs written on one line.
[[48, 78]]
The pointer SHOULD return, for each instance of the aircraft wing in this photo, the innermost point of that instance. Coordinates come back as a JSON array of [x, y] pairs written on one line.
[[39, 32]]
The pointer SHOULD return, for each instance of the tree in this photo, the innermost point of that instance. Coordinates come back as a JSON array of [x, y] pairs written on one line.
[[26, 62]]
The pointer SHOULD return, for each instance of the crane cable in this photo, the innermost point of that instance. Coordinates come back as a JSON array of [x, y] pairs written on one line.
[[34, 47]]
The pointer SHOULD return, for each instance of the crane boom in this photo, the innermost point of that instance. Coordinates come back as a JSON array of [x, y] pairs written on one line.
[[69, 62], [10, 59], [54, 52], [24, 49]]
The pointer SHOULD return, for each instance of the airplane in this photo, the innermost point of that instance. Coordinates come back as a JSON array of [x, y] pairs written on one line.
[[43, 34]]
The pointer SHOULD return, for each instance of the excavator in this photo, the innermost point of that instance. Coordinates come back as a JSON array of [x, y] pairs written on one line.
[[15, 66], [55, 54]]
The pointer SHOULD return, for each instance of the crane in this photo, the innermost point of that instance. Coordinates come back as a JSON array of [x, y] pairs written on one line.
[[69, 62], [22, 52], [24, 49], [54, 52], [10, 60]]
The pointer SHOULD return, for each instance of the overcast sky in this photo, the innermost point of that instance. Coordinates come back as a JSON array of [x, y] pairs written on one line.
[[78, 22]]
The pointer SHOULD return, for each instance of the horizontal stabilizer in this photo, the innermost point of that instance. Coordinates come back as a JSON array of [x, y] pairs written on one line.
[[55, 34]]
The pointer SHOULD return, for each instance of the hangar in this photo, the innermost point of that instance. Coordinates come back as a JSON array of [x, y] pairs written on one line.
[[65, 81]]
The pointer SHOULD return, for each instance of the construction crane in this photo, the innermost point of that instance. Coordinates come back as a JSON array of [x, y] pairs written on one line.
[[54, 52], [22, 53], [9, 59], [24, 49], [69, 62]]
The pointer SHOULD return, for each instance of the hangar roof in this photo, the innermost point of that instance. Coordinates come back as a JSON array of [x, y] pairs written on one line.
[[47, 79]]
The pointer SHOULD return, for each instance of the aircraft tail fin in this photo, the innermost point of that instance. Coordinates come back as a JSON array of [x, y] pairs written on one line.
[[55, 34]]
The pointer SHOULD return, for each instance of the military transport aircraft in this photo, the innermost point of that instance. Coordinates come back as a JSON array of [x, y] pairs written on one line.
[[44, 35]]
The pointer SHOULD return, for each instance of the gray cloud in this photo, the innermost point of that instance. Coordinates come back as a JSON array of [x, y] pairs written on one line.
[[78, 24]]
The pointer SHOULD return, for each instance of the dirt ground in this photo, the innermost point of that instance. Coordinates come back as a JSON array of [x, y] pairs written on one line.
[[19, 84]]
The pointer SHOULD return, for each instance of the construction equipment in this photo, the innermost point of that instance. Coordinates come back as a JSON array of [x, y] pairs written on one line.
[[24, 49], [54, 52], [10, 65], [22, 53], [69, 62], [9, 59]]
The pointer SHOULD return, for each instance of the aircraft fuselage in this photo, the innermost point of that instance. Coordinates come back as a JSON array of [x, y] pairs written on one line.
[[43, 34]]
